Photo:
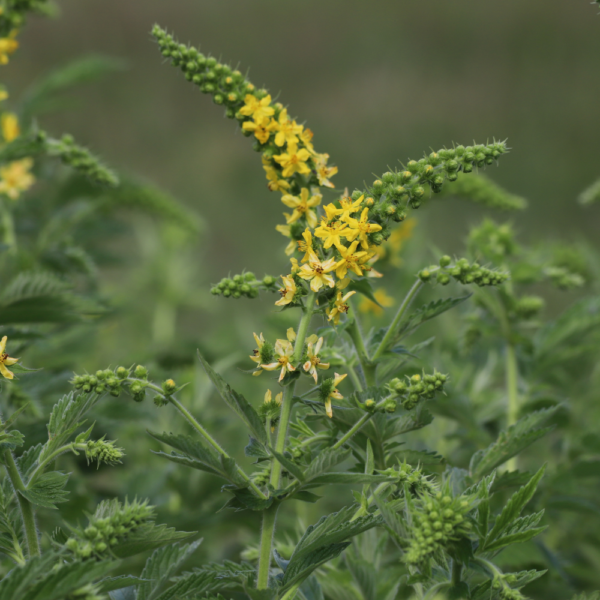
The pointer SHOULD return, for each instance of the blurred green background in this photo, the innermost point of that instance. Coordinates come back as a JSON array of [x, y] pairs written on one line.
[[377, 82]]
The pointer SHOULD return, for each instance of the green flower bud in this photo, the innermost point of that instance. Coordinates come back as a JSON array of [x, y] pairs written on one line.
[[169, 386], [141, 372], [445, 260], [122, 373]]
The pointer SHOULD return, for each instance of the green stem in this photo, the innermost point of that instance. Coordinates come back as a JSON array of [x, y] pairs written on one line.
[[26, 507], [355, 333], [456, 573], [391, 332], [40, 468], [512, 389], [291, 593], [270, 515], [190, 419], [355, 380], [266, 543], [354, 429], [8, 228]]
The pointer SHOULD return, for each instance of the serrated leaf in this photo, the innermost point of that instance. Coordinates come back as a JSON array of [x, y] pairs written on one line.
[[513, 507], [149, 536], [511, 441], [290, 466], [237, 402], [161, 566], [345, 478], [110, 584], [514, 538], [47, 490], [256, 450], [326, 460], [244, 499]]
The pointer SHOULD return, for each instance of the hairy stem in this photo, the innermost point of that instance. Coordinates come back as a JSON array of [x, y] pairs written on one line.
[[72, 447], [270, 515], [355, 333], [391, 332], [33, 545], [512, 389], [456, 572], [353, 430]]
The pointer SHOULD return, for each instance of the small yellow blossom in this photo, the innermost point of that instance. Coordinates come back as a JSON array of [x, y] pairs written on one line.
[[340, 307], [351, 260], [260, 340], [285, 351], [10, 126], [293, 161], [314, 362], [361, 228], [384, 300], [6, 360], [286, 230], [288, 291], [317, 272], [8, 45], [331, 232], [290, 334], [15, 178], [287, 130], [306, 138], [295, 267], [334, 394], [259, 110], [306, 245], [269, 398], [261, 129], [323, 171], [302, 206]]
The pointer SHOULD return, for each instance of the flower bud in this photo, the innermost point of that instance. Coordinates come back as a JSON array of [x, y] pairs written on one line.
[[445, 260], [122, 373], [169, 386]]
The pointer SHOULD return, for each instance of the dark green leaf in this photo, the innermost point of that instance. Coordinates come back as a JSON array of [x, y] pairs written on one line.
[[47, 490]]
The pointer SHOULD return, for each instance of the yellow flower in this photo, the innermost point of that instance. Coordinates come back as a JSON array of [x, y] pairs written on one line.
[[367, 305], [6, 360], [262, 130], [361, 228], [293, 161], [331, 232], [288, 291], [302, 207], [287, 130], [323, 171], [16, 178], [350, 260], [340, 306], [334, 394], [269, 398], [306, 245], [10, 126], [317, 272], [275, 184], [286, 230], [285, 351], [306, 138], [7, 46], [314, 362], [295, 268], [259, 110], [260, 340]]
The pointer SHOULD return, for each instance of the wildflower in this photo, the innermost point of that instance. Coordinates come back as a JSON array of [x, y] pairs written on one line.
[[263, 353], [339, 306], [306, 245], [295, 267], [306, 138], [288, 291], [329, 392], [286, 230], [361, 228], [285, 350], [323, 171], [8, 45], [259, 110], [293, 161], [16, 178], [275, 184], [10, 126], [384, 300], [269, 398], [350, 260], [262, 130], [287, 130], [302, 206], [6, 360], [317, 272], [314, 362], [331, 232]]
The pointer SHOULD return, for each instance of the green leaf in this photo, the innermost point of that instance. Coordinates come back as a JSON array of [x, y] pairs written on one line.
[[109, 584], [426, 313], [514, 538], [161, 566], [149, 536], [510, 442], [290, 466], [48, 489], [513, 507], [237, 402], [325, 460], [344, 478], [364, 287], [9, 440], [194, 454], [244, 499], [257, 450]]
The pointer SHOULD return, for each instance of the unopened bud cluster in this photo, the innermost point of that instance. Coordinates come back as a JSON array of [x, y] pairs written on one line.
[[96, 540], [83, 161], [564, 279], [389, 405], [463, 272], [528, 307], [114, 382], [245, 285], [103, 451], [416, 388], [418, 483], [438, 520]]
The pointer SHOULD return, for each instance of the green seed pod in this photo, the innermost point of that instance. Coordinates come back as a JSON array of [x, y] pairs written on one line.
[[445, 260]]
